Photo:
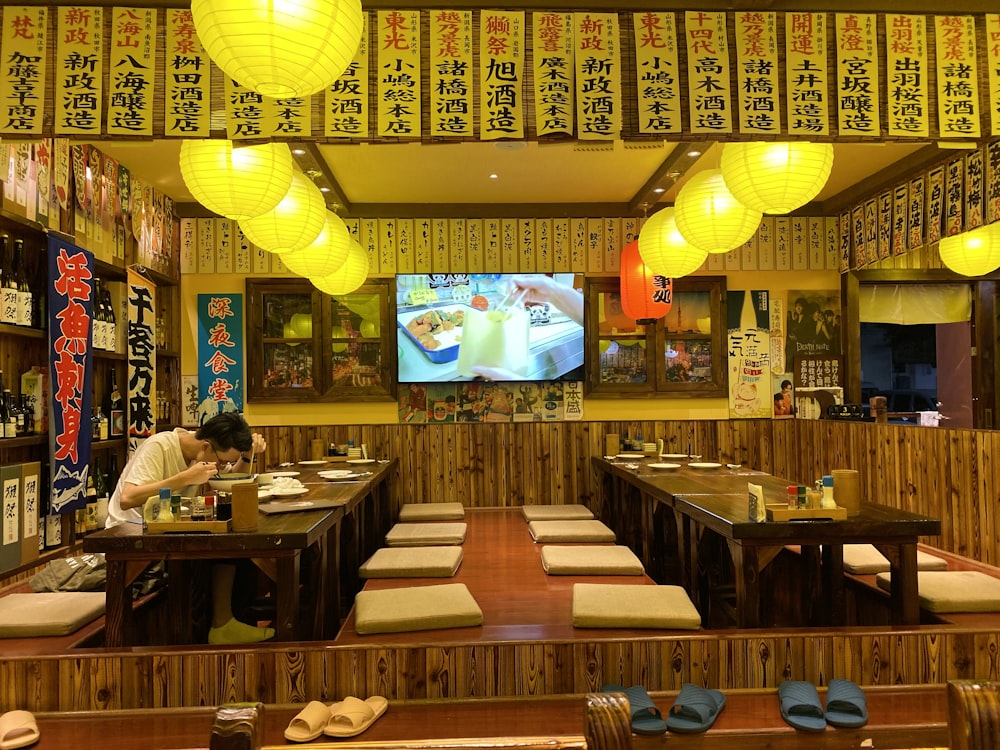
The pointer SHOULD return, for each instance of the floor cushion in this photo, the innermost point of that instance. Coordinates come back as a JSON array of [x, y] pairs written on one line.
[[570, 531], [448, 605], [48, 613], [590, 560], [953, 590], [611, 605], [432, 512], [426, 534], [556, 513], [862, 559], [412, 562]]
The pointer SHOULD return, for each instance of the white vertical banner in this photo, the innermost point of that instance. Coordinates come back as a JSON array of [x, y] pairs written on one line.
[[508, 246], [132, 75], [857, 74], [657, 72], [578, 245], [543, 246], [553, 68], [561, 257], [346, 109], [613, 245], [757, 63], [595, 245], [206, 245], [501, 74], [491, 246], [807, 74], [189, 245], [957, 76], [598, 76], [817, 243], [993, 69], [386, 253], [709, 94], [907, 70], [474, 245], [526, 246], [422, 245], [800, 244], [399, 73], [243, 258], [439, 246], [782, 244], [450, 72], [224, 256], [765, 244], [458, 260]]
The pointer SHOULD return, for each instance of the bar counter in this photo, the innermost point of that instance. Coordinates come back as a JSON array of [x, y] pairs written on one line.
[[715, 500]]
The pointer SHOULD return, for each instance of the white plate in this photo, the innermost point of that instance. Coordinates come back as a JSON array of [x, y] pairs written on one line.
[[673, 455], [631, 455], [284, 473], [311, 463], [288, 491], [336, 473], [264, 494], [664, 467], [361, 460], [704, 465]]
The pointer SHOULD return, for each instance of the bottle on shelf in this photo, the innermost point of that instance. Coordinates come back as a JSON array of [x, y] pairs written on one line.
[[100, 328], [52, 521], [111, 320], [114, 408], [8, 292], [95, 423], [20, 417], [39, 291], [23, 289], [9, 417], [90, 509]]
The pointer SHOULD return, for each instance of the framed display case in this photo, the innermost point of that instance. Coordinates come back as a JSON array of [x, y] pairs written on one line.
[[304, 345], [681, 353]]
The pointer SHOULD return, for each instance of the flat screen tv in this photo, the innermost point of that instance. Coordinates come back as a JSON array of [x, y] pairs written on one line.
[[461, 327]]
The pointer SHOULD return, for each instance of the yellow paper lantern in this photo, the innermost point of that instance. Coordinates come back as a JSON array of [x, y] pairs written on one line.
[[710, 218], [776, 178], [349, 277], [294, 223], [238, 183], [972, 253], [280, 49], [664, 249], [325, 254]]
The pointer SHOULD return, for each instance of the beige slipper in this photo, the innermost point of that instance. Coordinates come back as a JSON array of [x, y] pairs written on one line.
[[352, 716], [308, 723], [17, 729]]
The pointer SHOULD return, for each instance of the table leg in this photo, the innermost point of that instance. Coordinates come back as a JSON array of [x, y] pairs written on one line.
[[288, 596], [179, 601], [331, 583], [833, 583], [746, 564], [117, 605], [904, 601]]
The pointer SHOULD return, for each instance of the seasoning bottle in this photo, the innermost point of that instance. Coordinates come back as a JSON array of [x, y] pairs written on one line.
[[813, 496], [198, 509], [828, 501], [793, 496], [209, 507], [175, 506]]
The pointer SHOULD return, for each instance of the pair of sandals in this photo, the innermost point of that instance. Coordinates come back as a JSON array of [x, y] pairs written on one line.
[[17, 729], [846, 706], [347, 718], [694, 710]]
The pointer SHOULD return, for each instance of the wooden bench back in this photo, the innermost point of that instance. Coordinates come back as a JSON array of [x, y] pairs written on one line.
[[974, 715]]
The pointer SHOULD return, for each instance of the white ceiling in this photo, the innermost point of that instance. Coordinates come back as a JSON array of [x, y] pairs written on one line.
[[526, 172]]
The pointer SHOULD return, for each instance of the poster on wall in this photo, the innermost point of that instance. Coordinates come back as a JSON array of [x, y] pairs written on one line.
[[813, 324], [483, 401], [749, 355], [141, 354], [70, 324], [220, 354]]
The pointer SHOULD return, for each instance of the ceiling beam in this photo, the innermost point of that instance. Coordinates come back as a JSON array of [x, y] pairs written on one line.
[[678, 161]]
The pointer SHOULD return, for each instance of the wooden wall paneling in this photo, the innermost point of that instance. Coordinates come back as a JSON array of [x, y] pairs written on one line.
[[986, 489]]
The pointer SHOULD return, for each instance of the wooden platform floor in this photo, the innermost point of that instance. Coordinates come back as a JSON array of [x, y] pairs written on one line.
[[502, 567]]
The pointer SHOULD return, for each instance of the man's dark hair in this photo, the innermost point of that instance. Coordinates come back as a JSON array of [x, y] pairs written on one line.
[[226, 431]]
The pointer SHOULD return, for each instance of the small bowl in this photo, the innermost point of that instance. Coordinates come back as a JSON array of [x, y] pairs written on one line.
[[267, 478], [225, 482]]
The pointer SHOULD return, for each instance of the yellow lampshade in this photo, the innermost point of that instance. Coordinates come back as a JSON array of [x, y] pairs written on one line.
[[294, 223], [776, 178], [325, 254], [972, 253], [280, 49], [709, 217], [349, 277], [238, 183], [664, 249]]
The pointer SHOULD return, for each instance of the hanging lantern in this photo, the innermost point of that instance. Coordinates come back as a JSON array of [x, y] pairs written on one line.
[[238, 183], [326, 254], [349, 276], [646, 296], [280, 49], [776, 178], [294, 223], [972, 253], [710, 218], [664, 249]]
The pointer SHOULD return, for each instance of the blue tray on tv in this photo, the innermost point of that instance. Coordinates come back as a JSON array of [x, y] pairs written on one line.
[[448, 351]]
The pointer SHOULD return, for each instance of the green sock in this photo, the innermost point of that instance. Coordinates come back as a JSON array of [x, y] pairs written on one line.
[[234, 632]]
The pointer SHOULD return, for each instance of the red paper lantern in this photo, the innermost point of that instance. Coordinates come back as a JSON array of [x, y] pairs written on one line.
[[646, 296]]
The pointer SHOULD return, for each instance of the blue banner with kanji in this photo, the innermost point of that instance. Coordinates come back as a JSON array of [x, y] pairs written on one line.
[[70, 324], [220, 354]]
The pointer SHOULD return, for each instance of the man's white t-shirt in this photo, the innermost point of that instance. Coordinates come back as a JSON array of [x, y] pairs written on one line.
[[158, 458]]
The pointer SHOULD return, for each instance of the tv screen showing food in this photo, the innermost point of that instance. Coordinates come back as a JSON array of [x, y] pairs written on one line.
[[454, 327]]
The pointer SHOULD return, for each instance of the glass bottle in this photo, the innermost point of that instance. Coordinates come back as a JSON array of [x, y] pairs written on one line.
[[100, 330], [19, 417], [111, 320], [9, 417], [40, 291], [8, 292], [95, 423], [115, 408], [29, 415], [23, 290]]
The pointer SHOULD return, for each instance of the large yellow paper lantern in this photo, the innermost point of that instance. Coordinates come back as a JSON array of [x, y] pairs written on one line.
[[349, 276], [972, 253], [294, 223], [778, 177], [238, 183], [280, 48], [664, 249], [710, 218], [325, 254]]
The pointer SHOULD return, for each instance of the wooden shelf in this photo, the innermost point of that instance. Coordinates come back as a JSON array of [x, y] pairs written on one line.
[[109, 271], [101, 354], [29, 333], [107, 444], [170, 353], [23, 441]]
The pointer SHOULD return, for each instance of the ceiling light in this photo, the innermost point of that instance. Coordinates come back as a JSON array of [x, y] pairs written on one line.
[[324, 189], [326, 254], [349, 277], [776, 178], [972, 253], [659, 190], [710, 218], [294, 223], [694, 153], [298, 151], [664, 250], [493, 176]]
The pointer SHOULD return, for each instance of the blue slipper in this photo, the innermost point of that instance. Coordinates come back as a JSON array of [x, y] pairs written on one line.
[[845, 704], [695, 709], [646, 717], [800, 706]]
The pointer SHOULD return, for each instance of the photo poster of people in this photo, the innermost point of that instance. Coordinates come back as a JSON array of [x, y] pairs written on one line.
[[812, 326], [488, 401], [748, 323]]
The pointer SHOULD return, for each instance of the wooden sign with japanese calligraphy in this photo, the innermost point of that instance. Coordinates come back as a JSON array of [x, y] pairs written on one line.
[[871, 231], [900, 197], [386, 255], [501, 74], [543, 246], [526, 245], [25, 71], [187, 79], [857, 74], [974, 187], [907, 73], [345, 101], [399, 73], [757, 77], [954, 192], [474, 245], [657, 72], [491, 246], [404, 246], [553, 71], [598, 76], [993, 68], [132, 83], [825, 371], [709, 94], [992, 182], [457, 261], [451, 72], [508, 246], [884, 225], [765, 244], [141, 358], [79, 71], [915, 213], [858, 236], [844, 233], [807, 74], [957, 76], [561, 255]]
